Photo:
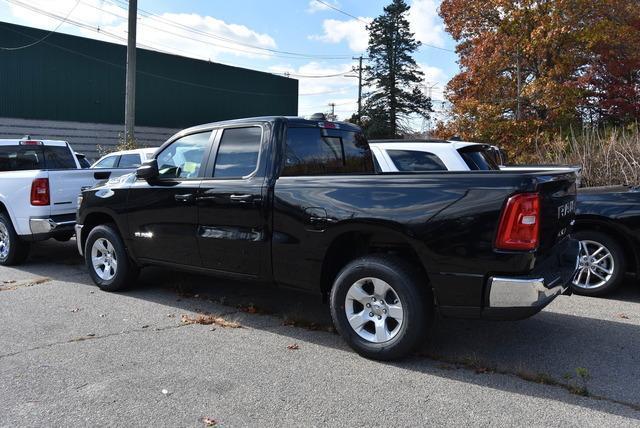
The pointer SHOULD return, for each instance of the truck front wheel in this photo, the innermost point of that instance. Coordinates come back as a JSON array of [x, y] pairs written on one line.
[[106, 257], [13, 250], [380, 306]]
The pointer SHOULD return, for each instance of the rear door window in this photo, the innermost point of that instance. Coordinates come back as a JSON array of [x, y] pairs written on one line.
[[238, 152], [317, 151], [414, 160]]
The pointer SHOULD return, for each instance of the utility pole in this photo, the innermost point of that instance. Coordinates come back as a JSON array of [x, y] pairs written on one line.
[[332, 115], [130, 94], [360, 58]]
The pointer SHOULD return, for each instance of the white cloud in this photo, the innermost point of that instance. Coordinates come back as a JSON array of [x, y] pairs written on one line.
[[425, 23], [423, 18], [152, 32], [435, 78], [353, 31], [316, 6]]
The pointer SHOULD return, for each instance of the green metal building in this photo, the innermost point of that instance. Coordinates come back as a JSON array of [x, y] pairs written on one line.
[[76, 79]]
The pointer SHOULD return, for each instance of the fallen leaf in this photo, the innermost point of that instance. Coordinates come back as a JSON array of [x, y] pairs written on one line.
[[251, 309], [293, 347], [623, 316], [209, 422], [208, 320]]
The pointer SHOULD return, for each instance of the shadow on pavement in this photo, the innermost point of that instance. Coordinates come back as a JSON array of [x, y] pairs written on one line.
[[548, 345]]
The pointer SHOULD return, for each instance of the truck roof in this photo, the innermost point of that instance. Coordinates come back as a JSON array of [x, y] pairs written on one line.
[[7, 142], [291, 121]]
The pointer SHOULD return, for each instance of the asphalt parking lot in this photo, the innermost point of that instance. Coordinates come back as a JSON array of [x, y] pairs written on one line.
[[72, 355]]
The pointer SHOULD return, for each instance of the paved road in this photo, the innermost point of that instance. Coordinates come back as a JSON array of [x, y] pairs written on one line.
[[71, 355]]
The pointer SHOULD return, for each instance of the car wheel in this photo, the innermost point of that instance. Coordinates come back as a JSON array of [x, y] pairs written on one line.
[[13, 250], [106, 257], [601, 266], [381, 307]]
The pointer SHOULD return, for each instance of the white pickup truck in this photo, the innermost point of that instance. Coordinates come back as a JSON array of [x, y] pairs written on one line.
[[40, 181]]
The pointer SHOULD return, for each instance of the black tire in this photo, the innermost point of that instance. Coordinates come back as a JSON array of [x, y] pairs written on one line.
[[18, 249], [125, 273], [414, 298], [619, 263]]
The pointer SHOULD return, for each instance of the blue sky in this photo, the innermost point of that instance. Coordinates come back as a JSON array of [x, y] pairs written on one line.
[[253, 34]]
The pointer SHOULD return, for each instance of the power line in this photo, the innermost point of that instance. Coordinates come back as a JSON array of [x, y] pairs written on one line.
[[85, 26], [341, 11], [285, 54], [47, 35], [436, 47], [314, 76]]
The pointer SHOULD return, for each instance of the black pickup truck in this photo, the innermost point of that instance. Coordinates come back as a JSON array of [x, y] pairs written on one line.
[[298, 203]]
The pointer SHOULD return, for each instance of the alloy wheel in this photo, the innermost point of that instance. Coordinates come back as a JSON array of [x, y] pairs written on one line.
[[103, 259], [5, 242], [374, 310], [595, 265]]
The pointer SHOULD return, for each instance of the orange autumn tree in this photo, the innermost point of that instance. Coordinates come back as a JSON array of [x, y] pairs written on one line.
[[535, 66]]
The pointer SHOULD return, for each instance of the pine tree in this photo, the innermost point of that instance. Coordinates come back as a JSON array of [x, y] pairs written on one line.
[[393, 74]]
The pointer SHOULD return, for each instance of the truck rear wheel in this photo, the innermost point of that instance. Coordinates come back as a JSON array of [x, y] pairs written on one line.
[[379, 305], [13, 250], [106, 257]]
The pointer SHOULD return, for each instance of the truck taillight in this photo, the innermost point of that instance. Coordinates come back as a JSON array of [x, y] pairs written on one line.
[[40, 192], [520, 223]]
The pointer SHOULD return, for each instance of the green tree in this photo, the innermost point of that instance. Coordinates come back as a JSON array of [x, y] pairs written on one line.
[[392, 75]]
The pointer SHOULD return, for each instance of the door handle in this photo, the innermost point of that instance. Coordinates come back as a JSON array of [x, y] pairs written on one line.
[[184, 198], [241, 198], [102, 175]]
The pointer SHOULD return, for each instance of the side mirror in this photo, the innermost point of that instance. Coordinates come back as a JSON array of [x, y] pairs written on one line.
[[148, 170]]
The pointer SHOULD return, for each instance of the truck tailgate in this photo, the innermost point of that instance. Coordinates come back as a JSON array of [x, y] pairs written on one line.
[[66, 184], [558, 205]]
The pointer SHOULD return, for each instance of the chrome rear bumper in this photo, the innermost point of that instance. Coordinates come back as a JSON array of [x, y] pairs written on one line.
[[521, 293], [47, 225]]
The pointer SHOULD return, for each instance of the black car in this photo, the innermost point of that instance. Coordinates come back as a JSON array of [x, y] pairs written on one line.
[[608, 227], [298, 203]]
